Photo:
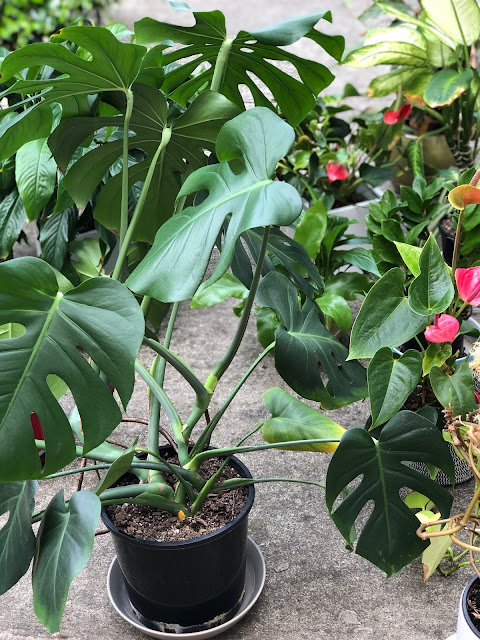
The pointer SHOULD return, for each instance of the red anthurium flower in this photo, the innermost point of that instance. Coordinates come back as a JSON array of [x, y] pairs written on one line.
[[444, 329], [392, 117], [468, 284], [37, 432], [336, 171]]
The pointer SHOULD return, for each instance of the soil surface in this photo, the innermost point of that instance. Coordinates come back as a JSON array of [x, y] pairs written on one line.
[[473, 604], [149, 523]]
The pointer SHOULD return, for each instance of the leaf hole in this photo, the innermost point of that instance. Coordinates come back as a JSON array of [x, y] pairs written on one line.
[[250, 42], [237, 166], [245, 50], [11, 330]]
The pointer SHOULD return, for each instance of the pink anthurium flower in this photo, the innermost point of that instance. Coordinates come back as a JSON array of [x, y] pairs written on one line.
[[444, 329], [336, 171], [468, 285], [392, 117]]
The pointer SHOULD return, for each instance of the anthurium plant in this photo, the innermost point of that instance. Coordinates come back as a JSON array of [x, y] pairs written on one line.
[[161, 149]]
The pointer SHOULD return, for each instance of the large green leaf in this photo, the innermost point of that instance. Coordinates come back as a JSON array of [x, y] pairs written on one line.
[[17, 540], [251, 58], [390, 82], [398, 53], [305, 350], [100, 317], [311, 229], [388, 538], [226, 287], [337, 308], [432, 291], [293, 420], [12, 218], [56, 232], [174, 267], [385, 319], [113, 66], [65, 542], [459, 19], [446, 86], [191, 133], [454, 390], [390, 381], [36, 175]]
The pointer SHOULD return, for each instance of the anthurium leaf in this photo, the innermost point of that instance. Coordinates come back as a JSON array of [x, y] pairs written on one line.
[[410, 256], [398, 53], [65, 542], [227, 286], [193, 132], [454, 390], [17, 540], [432, 291], [100, 317], [388, 539], [175, 265], [55, 234], [435, 356], [337, 308], [385, 318], [36, 175], [250, 54], [117, 469], [446, 86], [390, 381], [294, 420], [311, 229], [359, 257], [459, 19], [304, 349], [12, 218]]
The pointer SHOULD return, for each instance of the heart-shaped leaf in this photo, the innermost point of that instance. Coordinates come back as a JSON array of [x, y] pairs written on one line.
[[388, 539], [175, 265], [432, 291], [304, 349], [456, 390], [411, 256], [65, 542], [435, 356], [390, 381], [100, 317], [250, 57], [385, 319], [17, 540], [293, 420]]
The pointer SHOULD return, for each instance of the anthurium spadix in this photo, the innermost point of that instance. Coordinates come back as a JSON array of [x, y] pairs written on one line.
[[256, 140]]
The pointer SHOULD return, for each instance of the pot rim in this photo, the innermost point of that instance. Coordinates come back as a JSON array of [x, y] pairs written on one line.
[[179, 544], [463, 607]]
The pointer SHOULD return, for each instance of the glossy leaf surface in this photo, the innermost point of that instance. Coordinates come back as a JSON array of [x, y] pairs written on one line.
[[455, 390], [36, 175], [432, 291], [446, 86]]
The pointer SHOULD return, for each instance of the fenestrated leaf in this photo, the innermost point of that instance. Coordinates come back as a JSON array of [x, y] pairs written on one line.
[[174, 267], [293, 420], [304, 349], [385, 319], [12, 218], [227, 286], [100, 317], [17, 540], [249, 53], [454, 390], [446, 86], [36, 175], [432, 291], [311, 229], [388, 539], [399, 53], [191, 133], [65, 542], [459, 19], [390, 381]]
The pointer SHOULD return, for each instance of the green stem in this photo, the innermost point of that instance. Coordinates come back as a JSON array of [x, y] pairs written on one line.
[[126, 238], [145, 306], [221, 65], [456, 248], [124, 205], [234, 483]]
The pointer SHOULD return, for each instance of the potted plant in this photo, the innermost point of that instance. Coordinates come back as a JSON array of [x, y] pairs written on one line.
[[87, 337]]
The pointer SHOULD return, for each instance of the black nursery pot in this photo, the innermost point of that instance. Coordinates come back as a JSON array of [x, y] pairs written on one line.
[[191, 585], [448, 243]]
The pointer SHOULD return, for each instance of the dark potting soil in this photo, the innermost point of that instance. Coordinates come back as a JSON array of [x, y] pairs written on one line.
[[473, 605], [149, 523]]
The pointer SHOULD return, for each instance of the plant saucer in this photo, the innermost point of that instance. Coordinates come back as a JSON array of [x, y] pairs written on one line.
[[254, 583]]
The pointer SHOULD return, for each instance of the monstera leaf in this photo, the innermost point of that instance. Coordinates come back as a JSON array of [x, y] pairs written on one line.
[[304, 349], [17, 540], [173, 268], [100, 318], [388, 539], [191, 133], [113, 66], [249, 58]]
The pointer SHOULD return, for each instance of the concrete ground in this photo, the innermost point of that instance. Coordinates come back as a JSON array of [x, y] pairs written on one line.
[[314, 588]]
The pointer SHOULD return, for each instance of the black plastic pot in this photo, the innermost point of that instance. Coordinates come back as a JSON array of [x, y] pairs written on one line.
[[448, 243], [466, 630], [191, 585]]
